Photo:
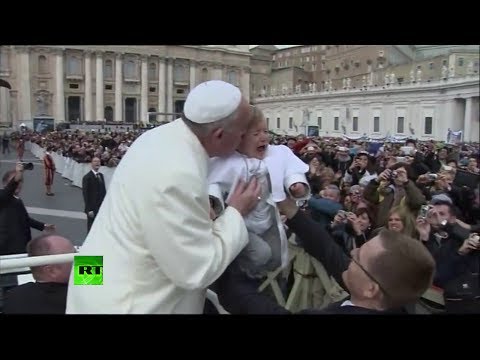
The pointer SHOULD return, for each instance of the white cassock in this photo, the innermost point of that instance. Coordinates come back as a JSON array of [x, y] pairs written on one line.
[[284, 169], [160, 249]]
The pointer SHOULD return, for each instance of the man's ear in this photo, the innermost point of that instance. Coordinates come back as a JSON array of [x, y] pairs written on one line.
[[217, 133]]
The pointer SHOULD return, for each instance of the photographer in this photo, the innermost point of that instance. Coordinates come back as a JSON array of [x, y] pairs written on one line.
[[359, 168], [351, 230], [456, 255], [393, 188], [15, 223]]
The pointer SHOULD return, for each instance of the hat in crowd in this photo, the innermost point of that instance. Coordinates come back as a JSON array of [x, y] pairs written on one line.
[[440, 197], [211, 101]]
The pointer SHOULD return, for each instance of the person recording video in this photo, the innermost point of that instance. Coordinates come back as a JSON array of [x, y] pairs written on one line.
[[15, 223]]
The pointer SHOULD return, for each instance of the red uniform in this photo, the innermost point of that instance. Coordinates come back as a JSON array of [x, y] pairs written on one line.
[[49, 166]]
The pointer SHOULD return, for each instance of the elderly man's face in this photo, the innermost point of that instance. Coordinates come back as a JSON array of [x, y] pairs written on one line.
[[230, 138]]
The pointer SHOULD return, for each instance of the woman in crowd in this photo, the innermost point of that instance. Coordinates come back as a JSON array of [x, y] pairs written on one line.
[[401, 221], [351, 230]]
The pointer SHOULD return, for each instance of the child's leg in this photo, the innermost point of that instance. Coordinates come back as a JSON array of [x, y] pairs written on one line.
[[272, 238], [254, 256]]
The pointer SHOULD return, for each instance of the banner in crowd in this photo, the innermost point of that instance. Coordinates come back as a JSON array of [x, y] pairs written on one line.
[[377, 139], [454, 137]]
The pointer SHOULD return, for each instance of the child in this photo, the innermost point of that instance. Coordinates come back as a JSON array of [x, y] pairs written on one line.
[[277, 170]]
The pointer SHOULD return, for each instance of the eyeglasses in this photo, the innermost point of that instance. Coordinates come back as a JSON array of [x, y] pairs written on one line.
[[367, 273]]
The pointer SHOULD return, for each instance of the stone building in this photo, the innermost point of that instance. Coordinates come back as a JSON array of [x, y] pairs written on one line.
[[113, 83]]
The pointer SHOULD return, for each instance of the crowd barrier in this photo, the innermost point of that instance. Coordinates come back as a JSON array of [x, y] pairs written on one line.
[[69, 168]]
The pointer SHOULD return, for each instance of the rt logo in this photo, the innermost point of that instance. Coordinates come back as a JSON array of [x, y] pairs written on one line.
[[88, 270]]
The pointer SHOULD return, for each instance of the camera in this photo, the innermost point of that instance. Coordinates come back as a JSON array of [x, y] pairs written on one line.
[[432, 177], [27, 166], [394, 175], [424, 210]]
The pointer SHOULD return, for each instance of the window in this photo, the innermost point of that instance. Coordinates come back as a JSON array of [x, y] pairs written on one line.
[[376, 124], [74, 66], [152, 89], [268, 123], [152, 71], [428, 125], [355, 123], [430, 66], [460, 61], [400, 80], [130, 70], [180, 73], [73, 86], [278, 123], [319, 122], [307, 58], [400, 124], [290, 123], [108, 70], [108, 87], [204, 74], [335, 123], [232, 77], [42, 64], [180, 91]]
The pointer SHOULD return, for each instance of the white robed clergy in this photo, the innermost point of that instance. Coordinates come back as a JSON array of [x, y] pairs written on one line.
[[160, 248]]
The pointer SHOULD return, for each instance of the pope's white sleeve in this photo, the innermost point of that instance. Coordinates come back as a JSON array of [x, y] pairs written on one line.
[[190, 249]]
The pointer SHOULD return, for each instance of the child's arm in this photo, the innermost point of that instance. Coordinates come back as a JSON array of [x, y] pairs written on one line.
[[295, 180]]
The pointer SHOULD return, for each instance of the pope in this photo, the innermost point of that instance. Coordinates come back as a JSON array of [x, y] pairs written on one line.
[[160, 247]]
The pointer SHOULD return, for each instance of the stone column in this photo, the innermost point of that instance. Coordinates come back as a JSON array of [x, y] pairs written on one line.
[[4, 105], [100, 113], [59, 87], [170, 89], [161, 89], [118, 88], [88, 87], [245, 83], [144, 91], [467, 124], [193, 74], [25, 102]]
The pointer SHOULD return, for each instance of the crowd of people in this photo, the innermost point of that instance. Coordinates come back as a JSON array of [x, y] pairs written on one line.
[[387, 220], [81, 146]]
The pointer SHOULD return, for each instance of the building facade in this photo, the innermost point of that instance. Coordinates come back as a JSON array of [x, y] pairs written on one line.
[[113, 83], [424, 110]]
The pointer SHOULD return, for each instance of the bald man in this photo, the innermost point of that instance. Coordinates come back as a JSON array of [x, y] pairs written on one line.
[[48, 294]]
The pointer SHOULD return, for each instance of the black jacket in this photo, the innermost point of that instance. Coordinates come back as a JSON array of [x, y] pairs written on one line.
[[239, 295], [15, 223], [93, 191], [36, 298]]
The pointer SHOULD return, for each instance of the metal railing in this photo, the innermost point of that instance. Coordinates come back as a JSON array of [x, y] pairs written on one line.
[[21, 264]]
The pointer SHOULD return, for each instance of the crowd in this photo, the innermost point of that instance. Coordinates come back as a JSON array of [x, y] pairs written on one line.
[[387, 220], [82, 146]]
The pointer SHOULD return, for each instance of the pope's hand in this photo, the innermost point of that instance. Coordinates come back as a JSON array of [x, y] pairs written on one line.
[[245, 197]]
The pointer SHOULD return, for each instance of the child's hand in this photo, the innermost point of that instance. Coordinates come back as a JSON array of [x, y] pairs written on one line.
[[298, 190]]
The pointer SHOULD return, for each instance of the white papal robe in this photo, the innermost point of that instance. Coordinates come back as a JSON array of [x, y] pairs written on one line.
[[160, 249]]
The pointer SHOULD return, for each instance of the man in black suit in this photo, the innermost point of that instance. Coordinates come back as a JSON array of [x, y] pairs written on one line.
[[384, 275], [93, 188], [48, 294], [15, 223]]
